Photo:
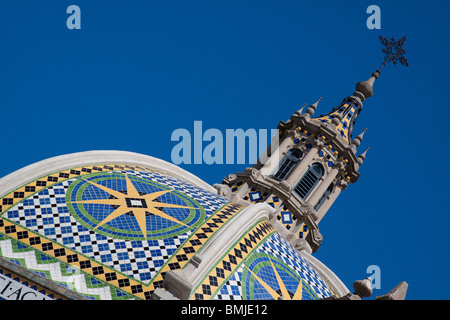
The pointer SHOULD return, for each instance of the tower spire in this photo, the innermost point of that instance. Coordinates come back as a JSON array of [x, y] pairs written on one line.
[[312, 161], [364, 89]]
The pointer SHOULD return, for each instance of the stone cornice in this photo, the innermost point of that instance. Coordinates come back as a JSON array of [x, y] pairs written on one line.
[[301, 209]]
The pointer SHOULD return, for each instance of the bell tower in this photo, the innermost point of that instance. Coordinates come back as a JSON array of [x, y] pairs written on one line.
[[311, 161]]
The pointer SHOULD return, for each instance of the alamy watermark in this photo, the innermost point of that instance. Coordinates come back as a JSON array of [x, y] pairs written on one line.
[[375, 276], [211, 146], [74, 20], [374, 20]]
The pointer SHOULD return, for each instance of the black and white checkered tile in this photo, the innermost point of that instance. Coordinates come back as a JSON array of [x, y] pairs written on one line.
[[46, 213], [277, 246], [232, 289]]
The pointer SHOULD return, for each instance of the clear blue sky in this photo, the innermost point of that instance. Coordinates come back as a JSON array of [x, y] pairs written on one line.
[[138, 70]]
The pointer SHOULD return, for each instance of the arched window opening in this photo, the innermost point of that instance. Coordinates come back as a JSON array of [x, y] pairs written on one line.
[[309, 180], [324, 197], [288, 163]]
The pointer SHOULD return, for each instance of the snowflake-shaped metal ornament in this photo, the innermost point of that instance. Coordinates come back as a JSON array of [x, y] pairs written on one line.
[[393, 51]]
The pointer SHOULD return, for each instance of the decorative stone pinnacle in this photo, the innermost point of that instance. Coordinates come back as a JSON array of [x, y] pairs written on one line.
[[357, 141], [362, 157], [360, 136], [299, 112], [316, 103], [312, 108]]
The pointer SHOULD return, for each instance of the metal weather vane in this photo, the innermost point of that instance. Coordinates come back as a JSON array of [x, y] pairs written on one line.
[[393, 50]]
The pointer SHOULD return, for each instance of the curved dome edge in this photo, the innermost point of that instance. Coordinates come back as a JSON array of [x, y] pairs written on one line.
[[33, 171]]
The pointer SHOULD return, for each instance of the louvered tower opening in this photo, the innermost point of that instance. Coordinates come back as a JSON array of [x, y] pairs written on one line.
[[309, 180], [287, 164]]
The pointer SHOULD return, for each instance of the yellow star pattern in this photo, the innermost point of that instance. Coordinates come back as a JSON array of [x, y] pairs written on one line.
[[134, 202]]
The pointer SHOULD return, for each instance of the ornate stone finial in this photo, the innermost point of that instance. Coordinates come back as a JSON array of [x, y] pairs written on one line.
[[312, 108], [393, 53], [299, 112], [336, 119], [357, 141], [363, 288], [364, 89], [360, 136], [362, 157]]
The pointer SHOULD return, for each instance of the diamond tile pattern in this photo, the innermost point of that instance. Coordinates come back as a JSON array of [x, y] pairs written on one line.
[[38, 216]]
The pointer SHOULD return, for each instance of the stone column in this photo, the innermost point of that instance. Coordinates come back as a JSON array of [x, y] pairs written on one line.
[[275, 158], [301, 168], [322, 187], [328, 203]]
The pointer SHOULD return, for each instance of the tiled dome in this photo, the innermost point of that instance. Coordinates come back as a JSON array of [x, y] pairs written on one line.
[[112, 230]]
